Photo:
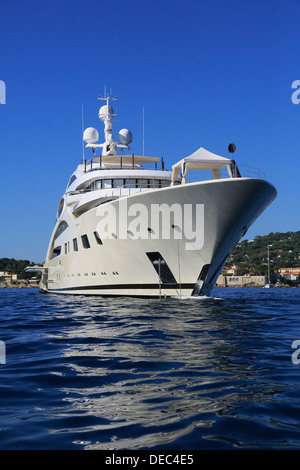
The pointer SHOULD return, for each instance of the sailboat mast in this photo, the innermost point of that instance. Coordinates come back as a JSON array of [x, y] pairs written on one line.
[[268, 264]]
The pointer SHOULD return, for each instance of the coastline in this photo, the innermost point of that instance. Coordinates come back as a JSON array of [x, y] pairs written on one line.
[[24, 284]]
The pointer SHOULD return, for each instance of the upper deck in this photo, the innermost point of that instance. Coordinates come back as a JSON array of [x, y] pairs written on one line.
[[111, 175]]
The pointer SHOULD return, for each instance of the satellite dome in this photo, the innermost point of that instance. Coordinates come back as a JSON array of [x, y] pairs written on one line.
[[90, 135], [105, 111], [125, 136]]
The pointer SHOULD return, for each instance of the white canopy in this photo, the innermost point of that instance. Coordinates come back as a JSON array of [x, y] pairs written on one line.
[[201, 160]]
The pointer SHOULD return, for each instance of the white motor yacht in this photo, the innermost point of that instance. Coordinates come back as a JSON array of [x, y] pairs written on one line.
[[127, 226]]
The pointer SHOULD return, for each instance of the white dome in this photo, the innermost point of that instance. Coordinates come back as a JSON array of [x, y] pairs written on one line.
[[125, 136], [105, 111], [90, 135]]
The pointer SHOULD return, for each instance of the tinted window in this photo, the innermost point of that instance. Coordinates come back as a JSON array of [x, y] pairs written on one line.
[[118, 183], [56, 252], [85, 241], [130, 183], [143, 183], [75, 244], [107, 184], [73, 178], [98, 239]]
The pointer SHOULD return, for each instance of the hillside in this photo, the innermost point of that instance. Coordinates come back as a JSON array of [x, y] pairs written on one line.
[[14, 266], [251, 255]]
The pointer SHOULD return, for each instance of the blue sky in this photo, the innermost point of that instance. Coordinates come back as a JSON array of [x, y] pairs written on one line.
[[206, 73]]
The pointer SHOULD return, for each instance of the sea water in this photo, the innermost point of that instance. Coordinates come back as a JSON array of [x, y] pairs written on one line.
[[81, 372]]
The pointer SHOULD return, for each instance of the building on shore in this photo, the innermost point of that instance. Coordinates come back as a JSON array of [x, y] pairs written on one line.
[[12, 280], [241, 281], [291, 274], [8, 277]]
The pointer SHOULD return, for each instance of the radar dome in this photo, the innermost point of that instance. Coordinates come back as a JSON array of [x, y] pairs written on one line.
[[90, 135], [125, 136], [105, 111]]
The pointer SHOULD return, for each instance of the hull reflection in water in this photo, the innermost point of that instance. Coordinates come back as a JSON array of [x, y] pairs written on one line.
[[144, 377]]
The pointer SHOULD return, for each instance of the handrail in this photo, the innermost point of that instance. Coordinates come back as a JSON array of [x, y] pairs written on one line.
[[158, 166], [251, 171]]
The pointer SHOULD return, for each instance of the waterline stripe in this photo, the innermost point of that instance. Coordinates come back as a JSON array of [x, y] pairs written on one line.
[[125, 286]]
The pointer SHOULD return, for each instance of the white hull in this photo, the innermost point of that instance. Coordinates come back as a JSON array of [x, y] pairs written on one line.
[[126, 267]]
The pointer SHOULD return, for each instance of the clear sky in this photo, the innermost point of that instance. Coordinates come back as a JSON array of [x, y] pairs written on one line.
[[206, 72]]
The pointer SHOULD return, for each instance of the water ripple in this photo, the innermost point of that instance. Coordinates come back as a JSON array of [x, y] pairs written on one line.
[[92, 373]]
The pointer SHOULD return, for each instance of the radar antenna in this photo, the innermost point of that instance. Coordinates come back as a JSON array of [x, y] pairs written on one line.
[[106, 114]]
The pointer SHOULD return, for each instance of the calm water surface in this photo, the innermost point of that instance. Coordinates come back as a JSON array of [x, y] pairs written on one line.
[[103, 373]]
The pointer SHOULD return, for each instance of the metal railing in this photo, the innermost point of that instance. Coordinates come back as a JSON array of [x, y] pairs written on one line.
[[241, 171], [249, 171], [91, 165]]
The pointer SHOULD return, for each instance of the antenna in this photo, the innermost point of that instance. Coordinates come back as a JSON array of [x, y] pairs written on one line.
[[143, 131], [82, 126], [91, 136]]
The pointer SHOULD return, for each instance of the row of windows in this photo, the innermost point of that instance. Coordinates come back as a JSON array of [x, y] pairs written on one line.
[[128, 183], [84, 241]]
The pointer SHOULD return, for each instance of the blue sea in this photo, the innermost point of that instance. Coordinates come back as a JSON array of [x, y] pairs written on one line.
[[92, 373]]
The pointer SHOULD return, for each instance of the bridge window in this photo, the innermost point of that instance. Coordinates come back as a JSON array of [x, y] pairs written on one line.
[[73, 178], [130, 183], [143, 183], [106, 184], [118, 183]]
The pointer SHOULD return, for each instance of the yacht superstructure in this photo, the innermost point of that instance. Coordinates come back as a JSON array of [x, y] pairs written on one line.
[[127, 226]]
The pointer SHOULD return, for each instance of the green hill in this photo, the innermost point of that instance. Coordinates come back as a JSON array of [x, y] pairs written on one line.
[[14, 266], [251, 255]]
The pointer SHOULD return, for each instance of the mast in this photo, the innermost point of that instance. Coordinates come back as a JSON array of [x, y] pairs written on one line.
[[91, 136], [106, 114], [268, 264]]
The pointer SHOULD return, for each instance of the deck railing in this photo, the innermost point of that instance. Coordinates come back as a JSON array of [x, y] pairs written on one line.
[[251, 172], [91, 164]]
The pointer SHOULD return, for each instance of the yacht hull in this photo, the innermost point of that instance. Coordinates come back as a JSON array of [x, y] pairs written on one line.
[[160, 264]]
